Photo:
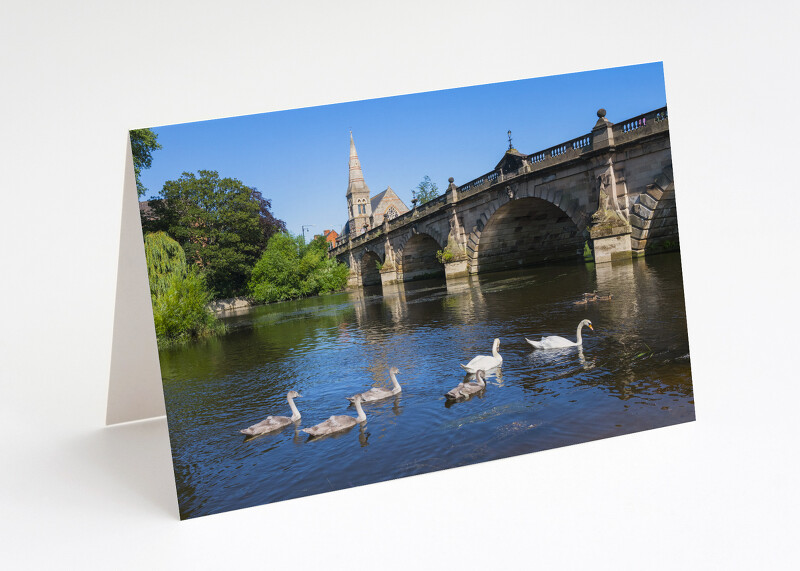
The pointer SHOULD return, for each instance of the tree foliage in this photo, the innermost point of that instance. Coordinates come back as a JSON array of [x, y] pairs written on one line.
[[222, 225], [143, 143], [165, 261], [426, 190], [178, 292], [291, 269]]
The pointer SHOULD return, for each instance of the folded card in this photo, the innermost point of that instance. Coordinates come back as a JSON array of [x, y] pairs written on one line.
[[352, 293]]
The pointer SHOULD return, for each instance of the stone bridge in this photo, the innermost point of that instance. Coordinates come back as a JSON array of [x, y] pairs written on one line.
[[610, 189]]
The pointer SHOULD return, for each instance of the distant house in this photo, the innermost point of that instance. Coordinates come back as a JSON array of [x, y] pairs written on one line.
[[330, 237]]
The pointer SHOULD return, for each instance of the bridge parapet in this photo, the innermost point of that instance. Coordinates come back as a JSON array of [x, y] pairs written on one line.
[[641, 126], [561, 153]]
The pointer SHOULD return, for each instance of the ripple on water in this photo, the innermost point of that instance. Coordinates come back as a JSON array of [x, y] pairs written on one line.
[[632, 373]]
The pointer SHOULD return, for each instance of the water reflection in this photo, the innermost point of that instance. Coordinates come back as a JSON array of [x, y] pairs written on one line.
[[632, 373]]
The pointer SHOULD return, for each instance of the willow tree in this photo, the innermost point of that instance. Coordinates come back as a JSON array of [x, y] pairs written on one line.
[[178, 292], [166, 261]]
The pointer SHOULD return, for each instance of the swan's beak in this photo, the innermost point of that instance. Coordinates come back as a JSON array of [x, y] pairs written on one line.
[[590, 326], [299, 395]]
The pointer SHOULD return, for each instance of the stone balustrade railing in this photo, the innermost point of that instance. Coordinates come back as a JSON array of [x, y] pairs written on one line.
[[640, 121]]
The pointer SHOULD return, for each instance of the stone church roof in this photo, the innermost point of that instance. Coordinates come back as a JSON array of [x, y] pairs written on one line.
[[389, 194]]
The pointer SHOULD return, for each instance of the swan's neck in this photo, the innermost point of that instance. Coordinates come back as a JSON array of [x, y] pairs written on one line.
[[361, 416], [295, 412], [395, 384], [495, 353], [481, 381], [580, 339]]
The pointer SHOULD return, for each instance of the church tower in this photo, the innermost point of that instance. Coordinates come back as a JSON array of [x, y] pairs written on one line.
[[358, 200]]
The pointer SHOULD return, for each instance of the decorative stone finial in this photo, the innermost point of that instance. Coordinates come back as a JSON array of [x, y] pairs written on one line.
[[601, 112], [451, 179]]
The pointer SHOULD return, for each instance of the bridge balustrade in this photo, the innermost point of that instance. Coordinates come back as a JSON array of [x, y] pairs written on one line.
[[640, 121]]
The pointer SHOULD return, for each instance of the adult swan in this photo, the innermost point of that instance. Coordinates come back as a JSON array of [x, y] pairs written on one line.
[[485, 362], [556, 342], [273, 423], [338, 423]]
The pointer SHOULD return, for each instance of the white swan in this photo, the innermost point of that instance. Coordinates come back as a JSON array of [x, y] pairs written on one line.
[[338, 423], [556, 342], [273, 423], [485, 362], [379, 393], [467, 389]]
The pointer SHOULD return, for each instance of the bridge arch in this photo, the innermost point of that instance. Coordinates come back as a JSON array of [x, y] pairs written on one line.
[[525, 232], [653, 219], [368, 268], [418, 257]]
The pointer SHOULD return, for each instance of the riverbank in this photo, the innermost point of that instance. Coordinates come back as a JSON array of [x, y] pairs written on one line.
[[220, 306]]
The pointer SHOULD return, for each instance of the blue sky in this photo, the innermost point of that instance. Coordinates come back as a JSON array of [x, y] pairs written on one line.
[[299, 158]]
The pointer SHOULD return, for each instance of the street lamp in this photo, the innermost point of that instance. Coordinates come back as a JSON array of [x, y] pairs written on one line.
[[509, 140]]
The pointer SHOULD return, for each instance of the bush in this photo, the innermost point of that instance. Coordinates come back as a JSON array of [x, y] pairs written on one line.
[[445, 256], [178, 293], [290, 269], [181, 312]]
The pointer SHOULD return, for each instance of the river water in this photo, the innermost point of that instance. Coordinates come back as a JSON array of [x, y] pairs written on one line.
[[632, 374]]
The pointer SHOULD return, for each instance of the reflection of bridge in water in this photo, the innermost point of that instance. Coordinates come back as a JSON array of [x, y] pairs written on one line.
[[611, 188]]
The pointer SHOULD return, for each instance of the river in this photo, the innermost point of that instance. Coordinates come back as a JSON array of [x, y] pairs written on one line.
[[632, 374]]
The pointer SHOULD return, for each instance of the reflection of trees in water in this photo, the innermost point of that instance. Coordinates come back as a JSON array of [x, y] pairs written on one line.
[[266, 336]]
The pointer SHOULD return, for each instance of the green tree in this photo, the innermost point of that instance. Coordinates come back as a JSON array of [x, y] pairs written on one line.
[[143, 143], [178, 292], [165, 260], [222, 225], [426, 190], [291, 269]]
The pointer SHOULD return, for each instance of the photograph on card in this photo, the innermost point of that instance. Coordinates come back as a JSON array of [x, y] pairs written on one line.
[[362, 291]]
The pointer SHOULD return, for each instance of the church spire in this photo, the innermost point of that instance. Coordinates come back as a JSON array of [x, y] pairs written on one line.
[[356, 183], [359, 202]]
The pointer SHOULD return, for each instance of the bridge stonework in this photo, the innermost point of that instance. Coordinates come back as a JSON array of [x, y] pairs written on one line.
[[612, 189]]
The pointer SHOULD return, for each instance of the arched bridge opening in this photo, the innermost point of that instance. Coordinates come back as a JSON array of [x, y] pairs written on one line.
[[419, 258], [370, 274], [528, 232]]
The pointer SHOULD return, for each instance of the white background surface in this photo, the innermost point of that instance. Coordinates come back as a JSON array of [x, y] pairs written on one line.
[[718, 493]]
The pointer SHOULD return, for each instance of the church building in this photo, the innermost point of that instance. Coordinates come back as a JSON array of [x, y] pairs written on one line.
[[365, 211]]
